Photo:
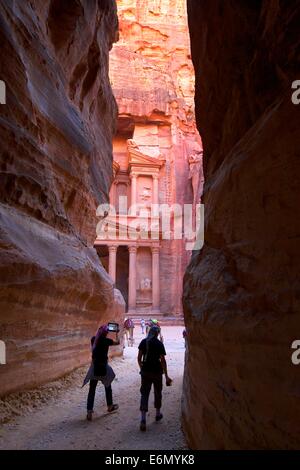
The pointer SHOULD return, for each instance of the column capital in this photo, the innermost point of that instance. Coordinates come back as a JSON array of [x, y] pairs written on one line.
[[132, 248], [155, 176], [133, 175], [112, 248], [155, 249]]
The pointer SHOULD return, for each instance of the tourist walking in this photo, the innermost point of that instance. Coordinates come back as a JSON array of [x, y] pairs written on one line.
[[128, 331], [143, 325], [152, 362], [184, 334], [100, 370], [148, 326]]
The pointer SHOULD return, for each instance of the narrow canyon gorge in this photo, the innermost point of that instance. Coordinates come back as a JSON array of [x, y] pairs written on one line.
[[156, 102]]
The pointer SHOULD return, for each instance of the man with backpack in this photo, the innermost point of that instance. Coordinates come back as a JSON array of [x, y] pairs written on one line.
[[152, 362]]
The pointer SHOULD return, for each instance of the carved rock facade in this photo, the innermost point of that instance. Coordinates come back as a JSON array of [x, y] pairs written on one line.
[[153, 80]]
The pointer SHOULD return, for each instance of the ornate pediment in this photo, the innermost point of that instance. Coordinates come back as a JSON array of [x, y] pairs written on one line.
[[138, 159], [116, 227]]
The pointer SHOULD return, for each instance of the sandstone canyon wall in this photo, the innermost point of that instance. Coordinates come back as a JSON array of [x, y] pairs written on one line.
[[56, 167], [241, 291], [153, 81]]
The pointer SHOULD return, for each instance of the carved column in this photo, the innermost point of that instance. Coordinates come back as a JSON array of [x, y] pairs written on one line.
[[155, 189], [112, 263], [132, 279], [113, 194], [113, 190], [155, 280], [133, 192]]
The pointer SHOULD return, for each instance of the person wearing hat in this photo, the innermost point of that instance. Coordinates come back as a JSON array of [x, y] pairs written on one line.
[[152, 362], [100, 370], [154, 322]]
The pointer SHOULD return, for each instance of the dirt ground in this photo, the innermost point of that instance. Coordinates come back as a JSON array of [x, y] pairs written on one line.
[[54, 417]]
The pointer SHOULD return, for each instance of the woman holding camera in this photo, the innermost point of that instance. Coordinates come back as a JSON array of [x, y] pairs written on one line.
[[100, 370]]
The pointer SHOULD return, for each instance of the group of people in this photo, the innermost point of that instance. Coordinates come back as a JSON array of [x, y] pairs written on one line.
[[152, 364], [145, 327]]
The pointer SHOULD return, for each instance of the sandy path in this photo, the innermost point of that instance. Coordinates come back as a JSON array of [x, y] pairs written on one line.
[[61, 424]]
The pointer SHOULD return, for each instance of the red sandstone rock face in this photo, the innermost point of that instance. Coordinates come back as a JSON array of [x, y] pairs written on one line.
[[150, 66], [56, 167], [152, 77], [241, 292]]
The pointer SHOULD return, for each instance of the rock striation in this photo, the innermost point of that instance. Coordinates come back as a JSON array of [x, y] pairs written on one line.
[[56, 167], [241, 291]]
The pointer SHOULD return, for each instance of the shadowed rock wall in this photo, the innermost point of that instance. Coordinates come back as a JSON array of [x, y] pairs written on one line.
[[56, 167], [241, 291]]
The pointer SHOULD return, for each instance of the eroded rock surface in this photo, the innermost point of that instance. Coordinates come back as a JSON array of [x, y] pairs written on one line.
[[241, 292], [56, 167]]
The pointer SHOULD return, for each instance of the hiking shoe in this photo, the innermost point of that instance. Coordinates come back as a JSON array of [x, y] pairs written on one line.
[[113, 408], [143, 425], [159, 417], [89, 416]]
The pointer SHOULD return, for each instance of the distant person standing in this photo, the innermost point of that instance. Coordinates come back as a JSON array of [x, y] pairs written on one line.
[[126, 332], [184, 334], [128, 329], [143, 325], [148, 325], [152, 362], [131, 330]]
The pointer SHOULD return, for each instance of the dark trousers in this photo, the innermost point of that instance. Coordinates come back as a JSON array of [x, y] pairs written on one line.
[[91, 395], [147, 380]]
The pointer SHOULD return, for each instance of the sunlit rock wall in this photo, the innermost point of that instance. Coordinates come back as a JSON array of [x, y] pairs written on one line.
[[241, 292], [56, 167], [152, 78]]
